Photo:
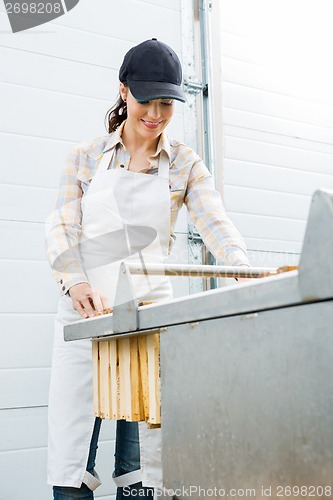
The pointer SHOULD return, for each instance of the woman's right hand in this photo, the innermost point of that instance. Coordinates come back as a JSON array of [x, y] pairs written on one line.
[[88, 300]]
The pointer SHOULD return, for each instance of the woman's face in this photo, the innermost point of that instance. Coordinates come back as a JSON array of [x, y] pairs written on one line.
[[148, 119]]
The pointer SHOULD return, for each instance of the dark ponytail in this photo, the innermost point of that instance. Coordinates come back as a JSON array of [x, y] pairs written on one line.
[[115, 115]]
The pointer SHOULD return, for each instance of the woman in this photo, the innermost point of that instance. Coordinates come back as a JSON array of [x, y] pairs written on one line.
[[134, 178]]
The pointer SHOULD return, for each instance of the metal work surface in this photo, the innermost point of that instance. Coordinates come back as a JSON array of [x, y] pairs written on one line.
[[311, 283], [270, 292], [214, 303], [247, 401]]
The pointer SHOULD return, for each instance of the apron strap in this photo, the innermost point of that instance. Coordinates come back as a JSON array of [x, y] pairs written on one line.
[[163, 165], [106, 160]]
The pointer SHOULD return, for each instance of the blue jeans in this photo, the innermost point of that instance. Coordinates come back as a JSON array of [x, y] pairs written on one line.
[[127, 459]]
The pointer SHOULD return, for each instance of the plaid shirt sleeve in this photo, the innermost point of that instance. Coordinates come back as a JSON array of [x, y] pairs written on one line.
[[208, 214], [63, 226]]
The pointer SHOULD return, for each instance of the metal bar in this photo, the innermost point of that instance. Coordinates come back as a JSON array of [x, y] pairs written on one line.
[[268, 293], [129, 334], [192, 87], [206, 271]]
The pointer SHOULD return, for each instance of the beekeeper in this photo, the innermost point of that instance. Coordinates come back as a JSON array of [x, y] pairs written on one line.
[[118, 200]]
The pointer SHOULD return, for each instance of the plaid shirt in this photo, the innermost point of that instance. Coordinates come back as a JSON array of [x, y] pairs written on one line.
[[190, 183]]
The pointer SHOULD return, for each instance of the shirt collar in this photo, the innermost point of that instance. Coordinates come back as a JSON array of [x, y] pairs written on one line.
[[115, 138], [163, 143]]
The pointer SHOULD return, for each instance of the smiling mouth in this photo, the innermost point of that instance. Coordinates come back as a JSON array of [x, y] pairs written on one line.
[[151, 125]]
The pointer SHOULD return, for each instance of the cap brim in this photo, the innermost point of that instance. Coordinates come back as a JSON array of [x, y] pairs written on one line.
[[148, 91]]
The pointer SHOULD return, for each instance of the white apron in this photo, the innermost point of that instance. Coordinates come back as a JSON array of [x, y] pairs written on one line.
[[115, 201]]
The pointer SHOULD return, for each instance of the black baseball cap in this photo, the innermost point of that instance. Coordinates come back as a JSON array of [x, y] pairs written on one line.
[[152, 70]]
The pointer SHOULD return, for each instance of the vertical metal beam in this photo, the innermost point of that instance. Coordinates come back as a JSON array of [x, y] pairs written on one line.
[[214, 69], [205, 63], [191, 56], [191, 71], [205, 7], [202, 84]]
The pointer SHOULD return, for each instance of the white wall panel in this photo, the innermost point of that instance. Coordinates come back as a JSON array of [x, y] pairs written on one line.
[[24, 387], [171, 4], [14, 238], [263, 102], [279, 155], [33, 336], [25, 203], [25, 473], [273, 245], [282, 127], [76, 78], [266, 202], [281, 139], [269, 228], [273, 178], [242, 62], [23, 428], [32, 161], [278, 119], [273, 259], [281, 36], [85, 47], [101, 18], [30, 288], [64, 115]]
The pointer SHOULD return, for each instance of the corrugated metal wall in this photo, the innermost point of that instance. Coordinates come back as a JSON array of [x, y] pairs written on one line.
[[56, 83], [278, 120]]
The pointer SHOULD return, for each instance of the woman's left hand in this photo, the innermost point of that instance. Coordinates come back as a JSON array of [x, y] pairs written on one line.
[[88, 300]]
